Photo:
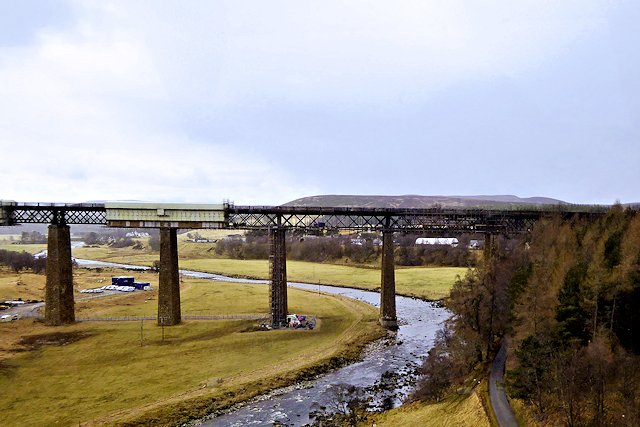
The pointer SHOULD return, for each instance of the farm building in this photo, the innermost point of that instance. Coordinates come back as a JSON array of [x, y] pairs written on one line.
[[449, 241], [128, 281]]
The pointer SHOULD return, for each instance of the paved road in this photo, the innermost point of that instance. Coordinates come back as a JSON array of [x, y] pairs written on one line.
[[499, 401], [31, 310], [23, 310]]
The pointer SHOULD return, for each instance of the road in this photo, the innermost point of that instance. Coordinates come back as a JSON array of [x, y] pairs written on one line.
[[499, 402], [23, 310], [31, 310]]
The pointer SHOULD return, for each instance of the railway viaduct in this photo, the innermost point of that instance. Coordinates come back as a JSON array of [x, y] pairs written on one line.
[[169, 217]]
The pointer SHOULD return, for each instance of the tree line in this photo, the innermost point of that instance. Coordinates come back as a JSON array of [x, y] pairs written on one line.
[[568, 298], [363, 249], [117, 238], [366, 248], [18, 261], [30, 237]]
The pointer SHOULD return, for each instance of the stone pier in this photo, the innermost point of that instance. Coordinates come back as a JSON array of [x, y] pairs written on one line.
[[169, 280], [278, 276], [488, 249], [59, 306], [388, 317]]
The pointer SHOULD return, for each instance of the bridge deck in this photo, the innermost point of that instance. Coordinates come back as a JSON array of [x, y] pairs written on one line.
[[160, 215]]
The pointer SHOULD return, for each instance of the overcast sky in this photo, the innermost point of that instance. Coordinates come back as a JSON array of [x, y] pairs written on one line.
[[262, 102]]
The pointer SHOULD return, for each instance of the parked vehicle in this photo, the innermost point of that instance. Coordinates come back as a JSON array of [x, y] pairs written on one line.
[[299, 321], [293, 321]]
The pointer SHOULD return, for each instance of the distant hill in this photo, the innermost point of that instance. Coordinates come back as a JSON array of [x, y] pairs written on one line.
[[413, 201]]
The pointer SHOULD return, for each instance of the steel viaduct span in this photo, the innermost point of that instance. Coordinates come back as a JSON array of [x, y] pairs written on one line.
[[169, 217]]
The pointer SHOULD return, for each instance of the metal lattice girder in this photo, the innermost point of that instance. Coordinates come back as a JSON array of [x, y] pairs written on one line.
[[52, 213], [32, 217], [85, 217], [5, 211], [433, 220], [436, 220]]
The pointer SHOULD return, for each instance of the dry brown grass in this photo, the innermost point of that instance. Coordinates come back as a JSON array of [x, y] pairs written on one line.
[[103, 373], [27, 286], [423, 282], [454, 411]]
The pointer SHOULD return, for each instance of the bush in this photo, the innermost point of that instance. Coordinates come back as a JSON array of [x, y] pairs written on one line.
[[315, 250], [33, 237], [123, 242], [154, 242]]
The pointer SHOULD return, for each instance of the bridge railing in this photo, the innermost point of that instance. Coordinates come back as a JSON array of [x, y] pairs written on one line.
[[435, 220]]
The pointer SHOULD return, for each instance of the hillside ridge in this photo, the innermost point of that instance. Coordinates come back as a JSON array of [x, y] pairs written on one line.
[[416, 201]]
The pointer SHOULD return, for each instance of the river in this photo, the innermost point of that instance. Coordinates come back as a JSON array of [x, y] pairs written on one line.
[[387, 371]]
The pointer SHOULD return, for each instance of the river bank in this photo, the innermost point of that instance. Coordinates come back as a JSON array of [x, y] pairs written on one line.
[[115, 371], [224, 401], [391, 373], [386, 374]]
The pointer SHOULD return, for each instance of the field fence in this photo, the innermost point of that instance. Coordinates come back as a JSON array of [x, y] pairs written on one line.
[[35, 315]]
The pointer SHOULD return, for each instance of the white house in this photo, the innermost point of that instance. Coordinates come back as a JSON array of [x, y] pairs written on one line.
[[449, 241]]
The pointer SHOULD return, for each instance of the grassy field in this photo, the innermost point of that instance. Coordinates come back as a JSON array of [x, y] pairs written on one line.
[[114, 373], [422, 282], [106, 373], [453, 411], [32, 249], [27, 286]]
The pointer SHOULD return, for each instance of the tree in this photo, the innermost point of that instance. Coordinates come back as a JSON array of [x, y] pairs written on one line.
[[572, 385], [154, 242], [571, 317], [480, 302], [532, 377], [33, 237], [345, 403], [90, 238], [553, 250], [19, 261], [600, 375], [465, 302], [451, 358]]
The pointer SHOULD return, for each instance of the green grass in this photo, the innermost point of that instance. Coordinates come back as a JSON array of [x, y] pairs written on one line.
[[32, 249], [423, 282], [119, 255], [109, 370]]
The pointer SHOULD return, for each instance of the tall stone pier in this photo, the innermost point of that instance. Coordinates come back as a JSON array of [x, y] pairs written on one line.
[[388, 317], [169, 280], [59, 308], [278, 276], [488, 249]]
